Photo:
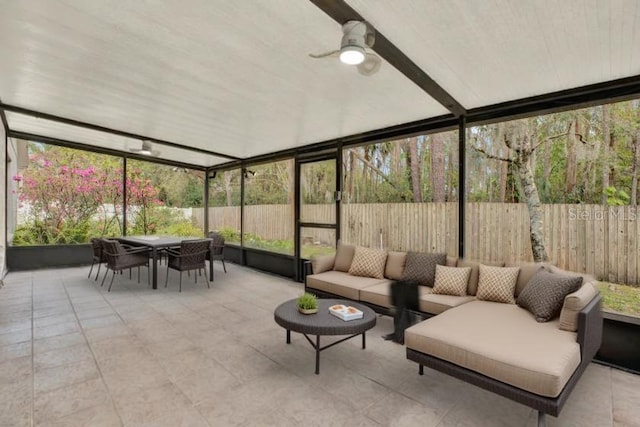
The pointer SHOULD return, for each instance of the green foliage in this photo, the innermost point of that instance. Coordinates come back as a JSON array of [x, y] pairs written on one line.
[[616, 197], [307, 301], [620, 298], [230, 234]]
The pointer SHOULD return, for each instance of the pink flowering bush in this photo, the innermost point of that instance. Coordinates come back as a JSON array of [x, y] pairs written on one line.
[[68, 196]]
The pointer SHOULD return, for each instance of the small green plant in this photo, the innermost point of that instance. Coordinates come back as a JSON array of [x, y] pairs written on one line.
[[307, 301]]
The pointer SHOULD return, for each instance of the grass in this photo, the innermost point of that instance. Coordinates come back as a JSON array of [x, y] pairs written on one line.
[[621, 299]]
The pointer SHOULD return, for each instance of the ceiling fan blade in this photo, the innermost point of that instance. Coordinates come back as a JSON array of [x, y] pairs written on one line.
[[325, 55], [370, 65]]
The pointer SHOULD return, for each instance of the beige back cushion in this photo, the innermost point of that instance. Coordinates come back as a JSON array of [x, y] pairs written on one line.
[[574, 303], [322, 263], [452, 261], [475, 271], [527, 270], [344, 256], [585, 277], [395, 265]]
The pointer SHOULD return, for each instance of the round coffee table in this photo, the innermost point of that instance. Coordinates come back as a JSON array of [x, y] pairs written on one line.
[[323, 323]]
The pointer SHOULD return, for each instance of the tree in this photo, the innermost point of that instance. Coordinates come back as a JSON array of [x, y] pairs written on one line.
[[437, 171], [520, 139]]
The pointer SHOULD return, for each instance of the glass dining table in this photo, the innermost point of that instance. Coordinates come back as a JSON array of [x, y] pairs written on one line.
[[156, 244]]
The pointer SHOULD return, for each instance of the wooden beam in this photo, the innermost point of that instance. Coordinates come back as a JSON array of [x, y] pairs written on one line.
[[341, 12]]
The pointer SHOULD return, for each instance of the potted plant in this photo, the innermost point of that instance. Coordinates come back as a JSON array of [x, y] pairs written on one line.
[[307, 303]]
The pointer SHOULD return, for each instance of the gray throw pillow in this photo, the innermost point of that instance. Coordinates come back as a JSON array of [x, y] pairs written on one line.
[[421, 267], [544, 294]]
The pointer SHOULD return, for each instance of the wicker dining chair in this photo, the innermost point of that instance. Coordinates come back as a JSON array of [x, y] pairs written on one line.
[[120, 258], [216, 250], [98, 257], [192, 255]]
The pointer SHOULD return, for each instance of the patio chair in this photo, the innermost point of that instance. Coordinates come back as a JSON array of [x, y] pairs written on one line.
[[120, 257], [192, 255], [98, 257], [216, 251]]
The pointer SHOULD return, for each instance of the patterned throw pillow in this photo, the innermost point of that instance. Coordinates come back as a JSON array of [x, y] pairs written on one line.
[[421, 267], [451, 280], [368, 263], [544, 294], [497, 284]]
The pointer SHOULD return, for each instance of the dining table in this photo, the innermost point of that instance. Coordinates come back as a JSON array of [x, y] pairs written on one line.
[[156, 244]]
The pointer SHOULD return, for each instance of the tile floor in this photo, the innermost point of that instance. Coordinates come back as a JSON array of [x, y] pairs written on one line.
[[72, 354]]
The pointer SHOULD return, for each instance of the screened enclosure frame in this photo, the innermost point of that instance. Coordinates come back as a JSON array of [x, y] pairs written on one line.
[[618, 90]]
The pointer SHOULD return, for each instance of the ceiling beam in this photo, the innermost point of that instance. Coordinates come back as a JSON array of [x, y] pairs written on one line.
[[72, 122], [100, 150], [341, 12], [569, 99]]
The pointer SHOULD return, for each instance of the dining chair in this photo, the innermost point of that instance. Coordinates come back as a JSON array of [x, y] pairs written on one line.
[[216, 250], [98, 257], [191, 255], [120, 257]]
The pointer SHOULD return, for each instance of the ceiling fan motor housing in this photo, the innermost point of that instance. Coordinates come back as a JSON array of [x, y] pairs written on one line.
[[354, 33]]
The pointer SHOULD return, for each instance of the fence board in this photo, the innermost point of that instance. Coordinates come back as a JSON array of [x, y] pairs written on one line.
[[600, 240]]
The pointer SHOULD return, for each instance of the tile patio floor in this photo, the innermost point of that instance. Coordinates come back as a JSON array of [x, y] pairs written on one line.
[[72, 354]]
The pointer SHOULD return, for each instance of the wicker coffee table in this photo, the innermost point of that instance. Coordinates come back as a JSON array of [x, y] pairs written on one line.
[[323, 323]]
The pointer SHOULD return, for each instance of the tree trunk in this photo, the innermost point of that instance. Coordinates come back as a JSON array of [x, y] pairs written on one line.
[[571, 168], [437, 174], [414, 169], [607, 143], [634, 167], [228, 188], [536, 227]]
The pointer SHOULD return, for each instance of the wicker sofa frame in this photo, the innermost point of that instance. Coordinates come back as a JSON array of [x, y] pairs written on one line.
[[589, 337]]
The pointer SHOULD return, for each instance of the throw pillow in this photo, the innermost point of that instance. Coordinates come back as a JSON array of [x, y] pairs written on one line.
[[475, 272], [497, 283], [544, 294], [344, 256], [368, 263], [451, 280], [421, 267]]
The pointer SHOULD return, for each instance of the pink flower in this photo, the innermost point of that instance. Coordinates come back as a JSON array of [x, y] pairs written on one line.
[[17, 178]]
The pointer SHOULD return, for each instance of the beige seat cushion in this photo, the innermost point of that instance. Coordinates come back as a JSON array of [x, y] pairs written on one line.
[[343, 284], [501, 341], [380, 294], [436, 304]]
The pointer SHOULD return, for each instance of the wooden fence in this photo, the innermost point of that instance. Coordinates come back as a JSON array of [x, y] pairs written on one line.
[[600, 240]]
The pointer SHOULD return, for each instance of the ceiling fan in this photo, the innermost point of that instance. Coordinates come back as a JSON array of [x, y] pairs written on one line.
[[358, 38], [146, 150]]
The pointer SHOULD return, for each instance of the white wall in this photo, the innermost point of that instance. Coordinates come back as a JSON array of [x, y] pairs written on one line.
[[3, 203]]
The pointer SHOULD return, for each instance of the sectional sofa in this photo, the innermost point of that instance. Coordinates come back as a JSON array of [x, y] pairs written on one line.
[[526, 331]]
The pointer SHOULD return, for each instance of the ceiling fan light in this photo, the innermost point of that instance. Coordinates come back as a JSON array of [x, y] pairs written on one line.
[[352, 55]]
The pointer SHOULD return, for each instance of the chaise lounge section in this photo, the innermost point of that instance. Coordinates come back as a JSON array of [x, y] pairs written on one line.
[[499, 345]]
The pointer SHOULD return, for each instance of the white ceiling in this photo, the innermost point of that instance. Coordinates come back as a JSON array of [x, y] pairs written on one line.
[[234, 77]]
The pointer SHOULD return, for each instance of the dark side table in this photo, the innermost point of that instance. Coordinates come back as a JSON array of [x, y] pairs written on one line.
[[323, 323]]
